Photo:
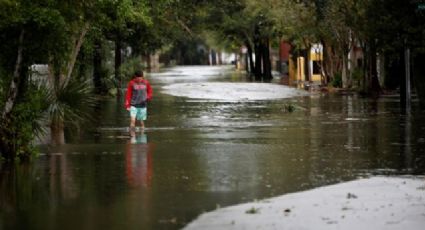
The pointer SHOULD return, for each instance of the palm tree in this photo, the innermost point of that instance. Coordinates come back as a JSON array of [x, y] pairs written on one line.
[[67, 106]]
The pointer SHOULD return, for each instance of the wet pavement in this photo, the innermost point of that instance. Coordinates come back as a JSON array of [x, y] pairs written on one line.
[[197, 155]]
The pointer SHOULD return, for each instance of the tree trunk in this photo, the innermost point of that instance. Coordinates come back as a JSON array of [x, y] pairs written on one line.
[[418, 71], [405, 93], [14, 84], [345, 81], [118, 61], [57, 132], [60, 78], [375, 87], [307, 63], [246, 60], [97, 68], [267, 67], [210, 58], [74, 54], [219, 59], [7, 145], [327, 63], [365, 49], [258, 55], [155, 62], [148, 62], [258, 65], [250, 59]]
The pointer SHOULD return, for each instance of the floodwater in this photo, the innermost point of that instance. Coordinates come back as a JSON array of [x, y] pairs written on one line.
[[198, 155]]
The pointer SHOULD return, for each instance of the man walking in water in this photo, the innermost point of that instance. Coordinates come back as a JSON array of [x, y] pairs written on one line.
[[139, 92]]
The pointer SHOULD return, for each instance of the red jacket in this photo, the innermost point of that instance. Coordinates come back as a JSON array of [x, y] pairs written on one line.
[[129, 92]]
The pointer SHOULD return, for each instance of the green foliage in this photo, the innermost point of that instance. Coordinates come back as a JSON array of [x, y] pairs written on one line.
[[53, 32], [187, 52], [337, 80], [117, 15], [130, 66], [68, 102], [288, 107], [24, 124], [108, 81], [357, 76], [39, 105]]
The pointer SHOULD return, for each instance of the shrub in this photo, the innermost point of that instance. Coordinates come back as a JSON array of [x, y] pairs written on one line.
[[337, 80], [357, 76], [128, 68], [22, 126]]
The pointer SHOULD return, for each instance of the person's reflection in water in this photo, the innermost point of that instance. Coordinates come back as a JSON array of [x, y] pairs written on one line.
[[138, 162]]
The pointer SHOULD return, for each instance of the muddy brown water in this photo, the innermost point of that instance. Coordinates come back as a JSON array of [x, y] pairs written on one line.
[[199, 155]]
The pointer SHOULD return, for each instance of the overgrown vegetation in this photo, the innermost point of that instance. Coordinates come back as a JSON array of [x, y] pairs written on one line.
[[99, 43], [337, 80], [128, 68], [23, 125]]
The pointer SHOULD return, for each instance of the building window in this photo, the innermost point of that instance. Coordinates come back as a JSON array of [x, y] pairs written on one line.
[[316, 67]]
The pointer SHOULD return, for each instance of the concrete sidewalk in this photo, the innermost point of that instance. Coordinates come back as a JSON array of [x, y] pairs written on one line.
[[374, 203]]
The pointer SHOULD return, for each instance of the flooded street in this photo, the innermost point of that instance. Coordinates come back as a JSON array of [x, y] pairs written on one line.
[[198, 154]]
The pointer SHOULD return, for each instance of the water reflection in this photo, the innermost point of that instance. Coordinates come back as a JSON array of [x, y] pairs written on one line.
[[62, 183], [406, 154], [81, 187], [138, 161], [15, 188]]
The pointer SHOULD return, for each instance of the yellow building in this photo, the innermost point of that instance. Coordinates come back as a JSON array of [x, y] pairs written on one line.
[[297, 73], [315, 62]]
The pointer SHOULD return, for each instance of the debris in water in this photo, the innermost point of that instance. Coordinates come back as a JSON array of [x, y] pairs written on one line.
[[351, 196], [252, 211]]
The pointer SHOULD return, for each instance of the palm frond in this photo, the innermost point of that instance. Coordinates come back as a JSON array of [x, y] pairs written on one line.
[[68, 103]]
